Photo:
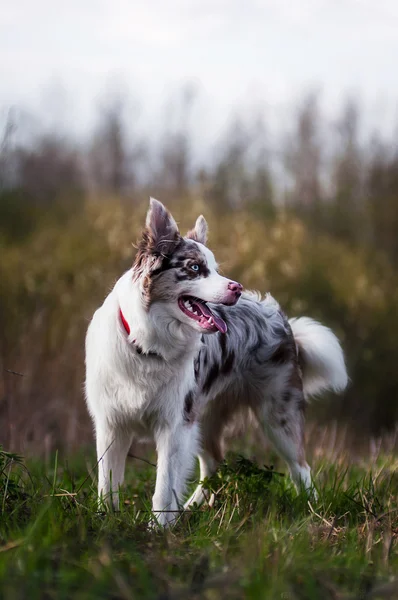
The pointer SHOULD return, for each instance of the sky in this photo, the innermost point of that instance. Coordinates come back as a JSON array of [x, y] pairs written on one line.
[[58, 59]]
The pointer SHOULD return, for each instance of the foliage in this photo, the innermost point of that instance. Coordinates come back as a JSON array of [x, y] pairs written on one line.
[[309, 214], [10, 487], [53, 281], [240, 480], [260, 539]]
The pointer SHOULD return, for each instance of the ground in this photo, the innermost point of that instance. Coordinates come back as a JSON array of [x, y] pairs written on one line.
[[260, 539]]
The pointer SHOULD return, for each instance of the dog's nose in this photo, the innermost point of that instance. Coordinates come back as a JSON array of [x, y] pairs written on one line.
[[235, 287]]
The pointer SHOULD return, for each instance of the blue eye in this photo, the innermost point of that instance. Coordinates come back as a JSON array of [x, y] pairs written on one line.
[[195, 267]]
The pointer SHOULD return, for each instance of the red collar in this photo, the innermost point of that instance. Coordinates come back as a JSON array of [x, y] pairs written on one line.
[[137, 347], [125, 324]]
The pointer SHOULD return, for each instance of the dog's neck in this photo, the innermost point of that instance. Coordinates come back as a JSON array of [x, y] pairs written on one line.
[[154, 331]]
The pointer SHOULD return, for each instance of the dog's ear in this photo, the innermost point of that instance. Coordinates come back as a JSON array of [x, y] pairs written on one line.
[[159, 238], [199, 232], [161, 229]]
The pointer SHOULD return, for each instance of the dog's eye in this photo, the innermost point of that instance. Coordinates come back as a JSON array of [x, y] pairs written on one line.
[[195, 267]]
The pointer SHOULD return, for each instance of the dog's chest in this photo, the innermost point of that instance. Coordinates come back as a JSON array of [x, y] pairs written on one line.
[[146, 390]]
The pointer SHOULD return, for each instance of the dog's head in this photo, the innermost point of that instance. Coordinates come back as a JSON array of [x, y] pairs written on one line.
[[181, 272]]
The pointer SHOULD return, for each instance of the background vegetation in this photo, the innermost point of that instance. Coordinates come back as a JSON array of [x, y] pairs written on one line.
[[260, 540], [311, 216]]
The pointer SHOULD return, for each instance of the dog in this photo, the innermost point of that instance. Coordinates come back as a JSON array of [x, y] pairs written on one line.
[[177, 351]]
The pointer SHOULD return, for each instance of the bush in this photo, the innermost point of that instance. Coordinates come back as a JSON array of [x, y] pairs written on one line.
[[53, 280]]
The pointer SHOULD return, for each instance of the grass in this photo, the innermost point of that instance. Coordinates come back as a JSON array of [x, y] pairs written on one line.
[[258, 540]]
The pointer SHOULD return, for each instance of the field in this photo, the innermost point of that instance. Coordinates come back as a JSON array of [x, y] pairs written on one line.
[[258, 540], [307, 212]]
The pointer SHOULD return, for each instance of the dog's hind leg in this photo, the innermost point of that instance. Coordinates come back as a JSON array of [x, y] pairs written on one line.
[[211, 454], [112, 447], [208, 466], [282, 418]]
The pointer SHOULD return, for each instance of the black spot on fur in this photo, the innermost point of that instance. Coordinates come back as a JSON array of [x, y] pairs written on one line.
[[228, 364], [176, 264], [150, 353], [197, 367], [300, 361], [282, 354], [286, 396], [188, 405], [302, 405], [210, 379], [247, 328], [204, 271], [223, 345], [182, 277], [165, 266], [255, 348], [283, 422]]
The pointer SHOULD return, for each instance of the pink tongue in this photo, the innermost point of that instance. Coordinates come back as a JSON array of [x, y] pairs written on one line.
[[220, 324], [218, 321]]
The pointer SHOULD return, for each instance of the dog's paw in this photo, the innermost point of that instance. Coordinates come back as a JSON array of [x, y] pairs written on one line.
[[158, 521], [161, 520]]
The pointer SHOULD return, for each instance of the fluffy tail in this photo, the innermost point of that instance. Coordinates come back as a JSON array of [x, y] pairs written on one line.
[[320, 356]]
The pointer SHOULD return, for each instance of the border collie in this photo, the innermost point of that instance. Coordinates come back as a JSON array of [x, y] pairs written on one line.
[[173, 356]]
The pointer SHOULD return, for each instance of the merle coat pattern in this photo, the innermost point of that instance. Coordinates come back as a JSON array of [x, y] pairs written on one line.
[[172, 355]]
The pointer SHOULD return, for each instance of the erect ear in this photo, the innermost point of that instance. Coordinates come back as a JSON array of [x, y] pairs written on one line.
[[161, 229], [199, 232]]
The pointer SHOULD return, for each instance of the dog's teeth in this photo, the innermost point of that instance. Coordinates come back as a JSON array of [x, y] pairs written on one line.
[[210, 321], [188, 305]]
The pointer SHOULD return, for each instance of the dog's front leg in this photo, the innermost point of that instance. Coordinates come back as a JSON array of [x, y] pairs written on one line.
[[176, 451], [113, 444]]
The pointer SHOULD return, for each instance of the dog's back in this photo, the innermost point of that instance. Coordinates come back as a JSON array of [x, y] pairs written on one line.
[[264, 368]]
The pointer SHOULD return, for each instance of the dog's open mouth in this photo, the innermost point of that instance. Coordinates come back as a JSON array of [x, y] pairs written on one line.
[[198, 310]]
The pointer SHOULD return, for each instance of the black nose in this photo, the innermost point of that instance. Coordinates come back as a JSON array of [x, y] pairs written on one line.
[[235, 287]]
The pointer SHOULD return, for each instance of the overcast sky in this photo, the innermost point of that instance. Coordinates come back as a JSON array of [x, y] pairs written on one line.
[[58, 57]]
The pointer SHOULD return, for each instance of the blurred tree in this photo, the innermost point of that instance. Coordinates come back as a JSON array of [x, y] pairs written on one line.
[[6, 150], [175, 170], [262, 189], [242, 176], [346, 218], [49, 170], [230, 177], [303, 161], [382, 198], [115, 155]]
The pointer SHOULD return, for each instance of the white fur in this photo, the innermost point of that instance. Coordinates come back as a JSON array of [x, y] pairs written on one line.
[[132, 395], [323, 356], [129, 395]]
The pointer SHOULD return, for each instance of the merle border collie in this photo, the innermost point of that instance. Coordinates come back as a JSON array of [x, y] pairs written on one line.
[[177, 352]]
